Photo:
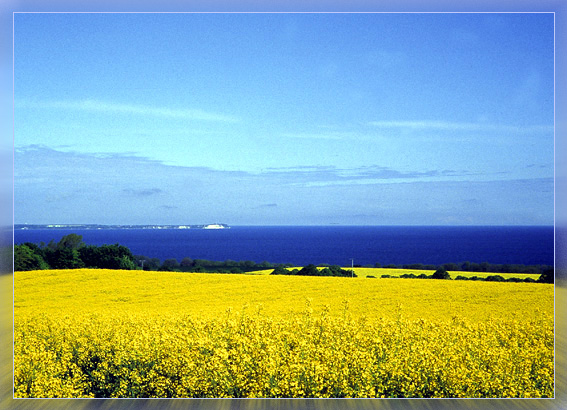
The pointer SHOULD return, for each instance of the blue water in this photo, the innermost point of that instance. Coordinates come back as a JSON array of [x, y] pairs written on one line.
[[331, 244]]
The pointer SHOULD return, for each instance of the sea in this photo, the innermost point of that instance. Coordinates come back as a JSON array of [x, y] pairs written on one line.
[[340, 245]]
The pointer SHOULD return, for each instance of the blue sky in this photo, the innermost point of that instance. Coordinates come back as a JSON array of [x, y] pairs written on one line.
[[284, 119]]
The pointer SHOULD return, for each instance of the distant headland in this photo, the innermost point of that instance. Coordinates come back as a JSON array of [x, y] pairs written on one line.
[[96, 226]]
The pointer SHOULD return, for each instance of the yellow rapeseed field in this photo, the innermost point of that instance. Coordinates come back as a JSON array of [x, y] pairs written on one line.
[[104, 333]]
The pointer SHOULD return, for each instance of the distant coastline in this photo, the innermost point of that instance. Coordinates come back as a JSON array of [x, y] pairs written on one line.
[[331, 245], [99, 227]]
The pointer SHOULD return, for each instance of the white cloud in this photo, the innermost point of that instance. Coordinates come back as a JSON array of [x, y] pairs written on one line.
[[116, 108], [458, 126]]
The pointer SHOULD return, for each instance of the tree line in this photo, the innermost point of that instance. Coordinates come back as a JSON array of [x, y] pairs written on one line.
[[201, 265], [546, 277], [311, 270], [72, 253], [470, 267]]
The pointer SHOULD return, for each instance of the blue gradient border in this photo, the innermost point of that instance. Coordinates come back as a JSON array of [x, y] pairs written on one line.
[[8, 7]]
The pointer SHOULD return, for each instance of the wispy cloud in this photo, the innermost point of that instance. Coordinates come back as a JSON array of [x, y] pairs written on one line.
[[329, 175], [142, 192], [81, 165], [91, 105], [457, 126], [79, 187], [315, 136]]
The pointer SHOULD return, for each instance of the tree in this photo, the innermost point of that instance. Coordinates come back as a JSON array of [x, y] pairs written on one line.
[[280, 270], [495, 278], [71, 241], [338, 271], [65, 258], [247, 264], [450, 266], [151, 264], [26, 259], [416, 266], [265, 265], [485, 267], [441, 274], [154, 264], [547, 276], [309, 270], [37, 249], [126, 263], [51, 246], [90, 255], [200, 263], [107, 257], [325, 272], [186, 262], [170, 264]]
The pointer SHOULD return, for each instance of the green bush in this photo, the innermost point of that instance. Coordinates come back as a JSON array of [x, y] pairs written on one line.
[[441, 274], [309, 270], [495, 278], [280, 271]]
